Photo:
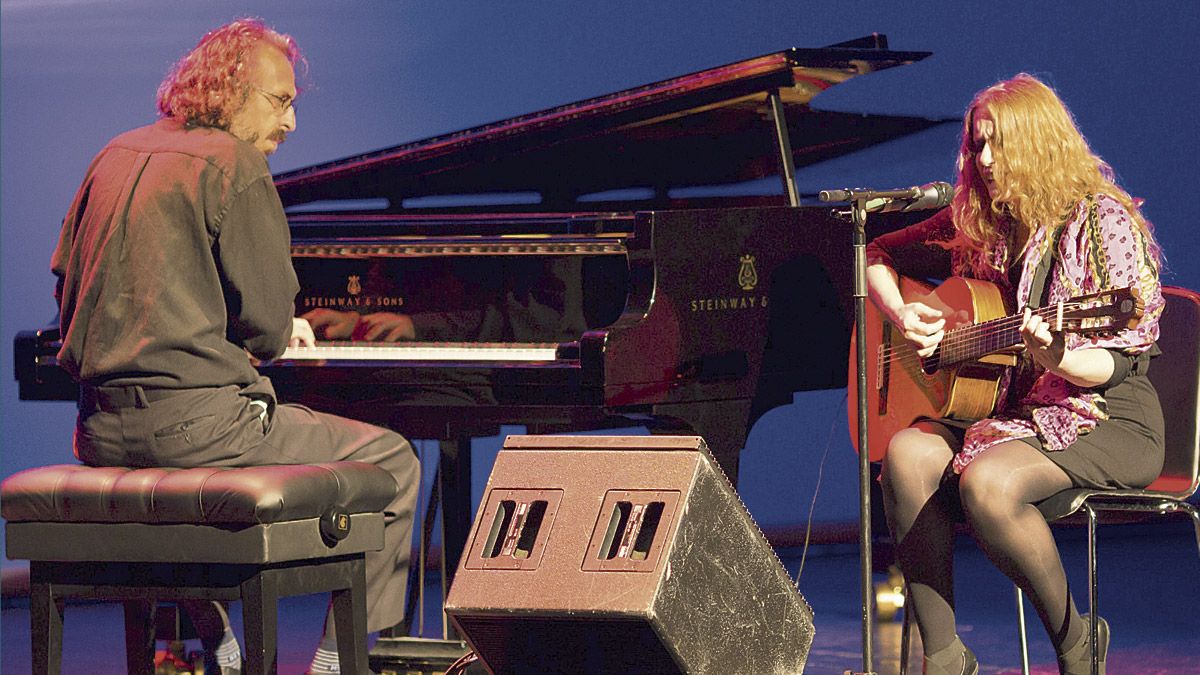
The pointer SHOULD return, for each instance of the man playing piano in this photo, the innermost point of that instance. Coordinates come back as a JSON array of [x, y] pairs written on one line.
[[173, 269]]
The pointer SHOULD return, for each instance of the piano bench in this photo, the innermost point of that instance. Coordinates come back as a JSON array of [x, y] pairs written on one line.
[[253, 534]]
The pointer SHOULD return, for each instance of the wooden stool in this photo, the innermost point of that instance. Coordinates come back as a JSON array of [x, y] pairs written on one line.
[[253, 534]]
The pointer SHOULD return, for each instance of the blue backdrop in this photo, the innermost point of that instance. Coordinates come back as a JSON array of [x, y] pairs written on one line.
[[76, 72]]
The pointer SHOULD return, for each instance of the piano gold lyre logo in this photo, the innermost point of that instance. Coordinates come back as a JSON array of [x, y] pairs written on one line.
[[354, 286], [747, 280], [747, 275]]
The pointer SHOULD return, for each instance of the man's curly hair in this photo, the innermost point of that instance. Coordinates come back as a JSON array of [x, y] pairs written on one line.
[[211, 83]]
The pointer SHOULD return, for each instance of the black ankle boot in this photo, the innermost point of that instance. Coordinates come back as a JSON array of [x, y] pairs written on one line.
[[954, 659], [1078, 659]]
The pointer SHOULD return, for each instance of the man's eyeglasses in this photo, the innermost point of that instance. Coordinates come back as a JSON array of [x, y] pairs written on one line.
[[279, 103]]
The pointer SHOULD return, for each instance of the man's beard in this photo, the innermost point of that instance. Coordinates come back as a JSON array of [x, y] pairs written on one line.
[[278, 137]]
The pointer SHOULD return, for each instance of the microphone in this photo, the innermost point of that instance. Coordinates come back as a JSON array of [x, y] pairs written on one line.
[[917, 198]]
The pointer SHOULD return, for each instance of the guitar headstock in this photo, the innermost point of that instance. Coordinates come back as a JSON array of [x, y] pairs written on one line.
[[1098, 314]]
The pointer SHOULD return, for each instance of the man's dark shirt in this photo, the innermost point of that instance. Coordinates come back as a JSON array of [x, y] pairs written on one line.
[[174, 261]]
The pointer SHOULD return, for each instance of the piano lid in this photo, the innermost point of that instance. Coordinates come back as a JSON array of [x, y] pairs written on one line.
[[713, 127]]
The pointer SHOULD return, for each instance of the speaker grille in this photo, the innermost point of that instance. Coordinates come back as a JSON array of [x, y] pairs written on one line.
[[519, 645]]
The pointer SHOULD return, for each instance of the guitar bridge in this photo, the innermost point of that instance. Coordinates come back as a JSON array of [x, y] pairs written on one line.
[[879, 369], [882, 370]]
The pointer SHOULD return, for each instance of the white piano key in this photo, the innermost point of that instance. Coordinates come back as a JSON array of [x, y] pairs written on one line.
[[422, 351]]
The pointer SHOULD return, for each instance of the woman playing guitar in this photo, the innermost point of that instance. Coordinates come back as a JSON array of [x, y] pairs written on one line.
[[1037, 214]]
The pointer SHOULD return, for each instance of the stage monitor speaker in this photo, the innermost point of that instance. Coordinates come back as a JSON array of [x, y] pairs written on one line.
[[623, 555]]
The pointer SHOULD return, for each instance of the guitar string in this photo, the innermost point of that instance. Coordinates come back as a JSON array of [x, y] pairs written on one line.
[[960, 340], [952, 344]]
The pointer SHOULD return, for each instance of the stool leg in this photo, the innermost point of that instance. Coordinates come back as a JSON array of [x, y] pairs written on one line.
[[1023, 637], [260, 620], [139, 636], [1093, 591], [46, 628], [1195, 514], [350, 618]]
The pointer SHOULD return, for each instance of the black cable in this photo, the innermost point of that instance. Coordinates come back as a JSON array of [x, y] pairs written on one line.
[[816, 491]]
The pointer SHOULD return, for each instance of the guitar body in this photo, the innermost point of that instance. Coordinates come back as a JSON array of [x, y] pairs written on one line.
[[900, 390]]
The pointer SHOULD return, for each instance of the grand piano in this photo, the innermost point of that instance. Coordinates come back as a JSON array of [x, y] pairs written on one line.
[[641, 258]]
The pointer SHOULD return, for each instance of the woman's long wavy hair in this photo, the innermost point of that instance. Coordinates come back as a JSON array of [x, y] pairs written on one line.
[[1042, 168], [211, 83]]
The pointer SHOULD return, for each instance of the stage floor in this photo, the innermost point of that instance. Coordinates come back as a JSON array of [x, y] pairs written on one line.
[[1149, 592]]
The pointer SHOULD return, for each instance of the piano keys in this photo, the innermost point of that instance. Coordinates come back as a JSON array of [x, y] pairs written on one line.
[[332, 353]]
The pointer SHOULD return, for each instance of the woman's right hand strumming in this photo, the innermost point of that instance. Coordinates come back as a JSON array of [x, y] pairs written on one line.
[[923, 326]]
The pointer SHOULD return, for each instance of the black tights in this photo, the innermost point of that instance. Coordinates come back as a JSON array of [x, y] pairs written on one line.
[[996, 493]]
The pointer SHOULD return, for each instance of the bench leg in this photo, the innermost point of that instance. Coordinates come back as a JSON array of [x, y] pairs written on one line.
[[46, 629], [260, 621], [350, 620], [139, 636]]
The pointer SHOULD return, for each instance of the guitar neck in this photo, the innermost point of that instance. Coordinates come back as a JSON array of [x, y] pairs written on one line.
[[1095, 314]]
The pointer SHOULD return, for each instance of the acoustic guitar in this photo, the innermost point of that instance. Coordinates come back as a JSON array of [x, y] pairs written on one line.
[[961, 379]]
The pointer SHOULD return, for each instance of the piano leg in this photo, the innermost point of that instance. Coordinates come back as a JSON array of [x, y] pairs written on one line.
[[394, 651], [722, 424], [455, 475]]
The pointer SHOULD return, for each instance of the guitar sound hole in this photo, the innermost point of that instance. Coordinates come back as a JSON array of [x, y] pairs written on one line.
[[931, 364]]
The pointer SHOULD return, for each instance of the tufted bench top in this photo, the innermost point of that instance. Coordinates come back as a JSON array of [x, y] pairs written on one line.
[[254, 534], [72, 493]]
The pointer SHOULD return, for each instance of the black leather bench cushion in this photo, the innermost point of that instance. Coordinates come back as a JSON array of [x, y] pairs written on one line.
[[72, 493]]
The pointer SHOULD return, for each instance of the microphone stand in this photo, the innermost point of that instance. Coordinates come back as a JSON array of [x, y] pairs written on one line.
[[858, 219], [931, 195]]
